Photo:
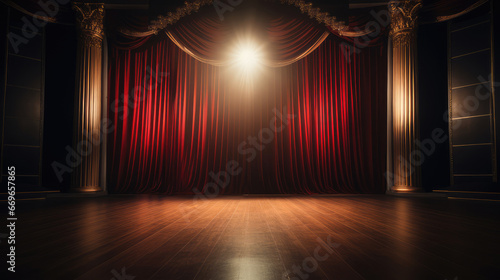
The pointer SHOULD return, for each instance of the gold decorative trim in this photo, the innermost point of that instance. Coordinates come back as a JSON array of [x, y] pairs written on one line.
[[189, 7], [305, 7], [469, 9], [321, 17], [90, 17]]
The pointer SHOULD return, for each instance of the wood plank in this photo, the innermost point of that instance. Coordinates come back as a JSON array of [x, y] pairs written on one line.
[[237, 237]]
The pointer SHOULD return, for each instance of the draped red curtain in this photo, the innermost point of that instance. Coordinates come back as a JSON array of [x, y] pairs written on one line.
[[180, 126], [288, 39]]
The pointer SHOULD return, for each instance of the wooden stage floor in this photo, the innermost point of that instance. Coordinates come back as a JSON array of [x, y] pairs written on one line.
[[258, 238]]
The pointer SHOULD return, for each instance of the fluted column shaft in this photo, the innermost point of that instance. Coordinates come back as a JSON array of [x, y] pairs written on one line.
[[405, 125], [86, 139]]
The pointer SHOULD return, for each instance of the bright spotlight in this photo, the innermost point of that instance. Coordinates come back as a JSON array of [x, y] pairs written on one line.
[[248, 57], [246, 65]]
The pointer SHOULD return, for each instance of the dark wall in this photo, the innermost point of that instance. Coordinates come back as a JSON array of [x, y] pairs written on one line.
[[32, 115], [473, 109], [3, 45], [59, 95], [433, 103], [22, 99], [496, 69]]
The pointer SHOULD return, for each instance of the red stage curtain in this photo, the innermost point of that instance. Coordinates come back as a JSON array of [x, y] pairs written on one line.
[[176, 121]]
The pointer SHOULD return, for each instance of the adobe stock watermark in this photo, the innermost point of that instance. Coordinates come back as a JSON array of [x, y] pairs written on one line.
[[50, 8], [427, 147], [84, 148], [310, 264], [121, 276], [248, 148], [225, 6]]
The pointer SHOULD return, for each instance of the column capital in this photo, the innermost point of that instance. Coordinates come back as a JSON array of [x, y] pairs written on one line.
[[404, 15], [90, 18]]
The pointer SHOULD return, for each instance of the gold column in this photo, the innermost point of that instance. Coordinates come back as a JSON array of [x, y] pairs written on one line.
[[405, 155], [86, 138]]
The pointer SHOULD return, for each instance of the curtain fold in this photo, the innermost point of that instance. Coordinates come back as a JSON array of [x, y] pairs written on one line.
[[207, 39], [292, 40], [181, 126]]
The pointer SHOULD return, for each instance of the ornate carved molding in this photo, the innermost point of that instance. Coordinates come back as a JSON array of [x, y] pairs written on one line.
[[305, 7], [89, 17], [403, 38], [404, 15], [189, 7], [316, 13]]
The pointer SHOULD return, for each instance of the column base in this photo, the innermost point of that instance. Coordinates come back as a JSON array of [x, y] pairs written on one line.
[[86, 189], [405, 189]]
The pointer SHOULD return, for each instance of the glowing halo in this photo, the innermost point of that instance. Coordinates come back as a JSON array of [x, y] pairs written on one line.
[[246, 63]]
